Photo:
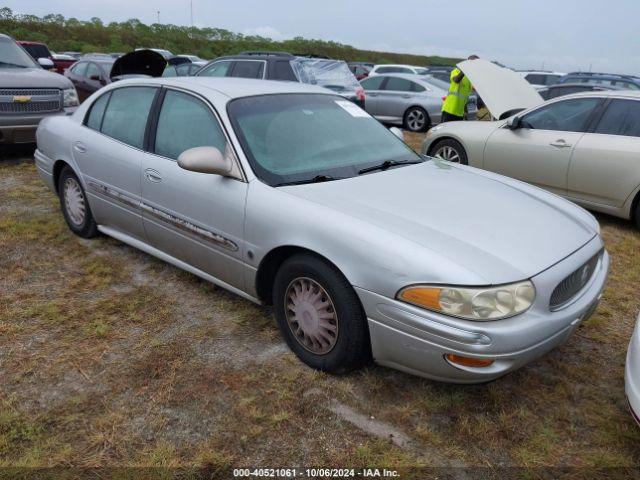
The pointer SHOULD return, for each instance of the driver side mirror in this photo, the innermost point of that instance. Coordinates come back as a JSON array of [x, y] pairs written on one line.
[[513, 123], [45, 63], [208, 160], [397, 132]]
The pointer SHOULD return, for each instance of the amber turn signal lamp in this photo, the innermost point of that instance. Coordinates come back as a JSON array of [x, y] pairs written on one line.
[[468, 361], [422, 296]]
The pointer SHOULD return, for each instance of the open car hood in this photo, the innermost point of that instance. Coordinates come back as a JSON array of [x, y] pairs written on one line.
[[140, 62], [502, 90]]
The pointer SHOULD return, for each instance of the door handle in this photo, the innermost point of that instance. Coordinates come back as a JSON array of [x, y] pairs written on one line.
[[79, 147], [406, 96], [560, 144], [153, 175], [372, 94]]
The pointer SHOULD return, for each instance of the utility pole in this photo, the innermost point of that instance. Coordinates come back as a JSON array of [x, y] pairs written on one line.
[[191, 13], [158, 16]]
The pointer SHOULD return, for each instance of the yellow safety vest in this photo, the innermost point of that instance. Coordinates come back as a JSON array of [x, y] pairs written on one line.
[[458, 95]]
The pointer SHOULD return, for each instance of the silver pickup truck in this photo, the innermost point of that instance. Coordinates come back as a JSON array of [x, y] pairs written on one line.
[[29, 93]]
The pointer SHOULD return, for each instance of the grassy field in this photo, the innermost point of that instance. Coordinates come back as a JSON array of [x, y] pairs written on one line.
[[109, 357]]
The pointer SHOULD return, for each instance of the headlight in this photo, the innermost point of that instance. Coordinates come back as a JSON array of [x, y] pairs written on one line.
[[70, 97], [472, 303]]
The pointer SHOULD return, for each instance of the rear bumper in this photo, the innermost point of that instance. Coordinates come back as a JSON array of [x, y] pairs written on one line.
[[22, 128], [416, 341], [632, 374]]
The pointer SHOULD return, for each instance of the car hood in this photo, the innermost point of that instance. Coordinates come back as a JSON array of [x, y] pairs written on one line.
[[497, 228], [139, 62], [502, 90], [32, 78]]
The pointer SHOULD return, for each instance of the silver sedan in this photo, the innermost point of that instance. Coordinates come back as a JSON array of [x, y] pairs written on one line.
[[290, 195], [404, 99]]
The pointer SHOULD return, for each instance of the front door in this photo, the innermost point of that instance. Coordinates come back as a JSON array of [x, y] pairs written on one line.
[[539, 150], [195, 217]]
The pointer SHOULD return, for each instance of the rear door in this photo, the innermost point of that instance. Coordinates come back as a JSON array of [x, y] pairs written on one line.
[[373, 88], [109, 150], [540, 151], [605, 168], [195, 217]]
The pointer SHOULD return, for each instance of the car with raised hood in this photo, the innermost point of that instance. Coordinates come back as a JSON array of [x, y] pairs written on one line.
[[289, 195], [632, 373], [584, 147], [92, 73], [28, 93]]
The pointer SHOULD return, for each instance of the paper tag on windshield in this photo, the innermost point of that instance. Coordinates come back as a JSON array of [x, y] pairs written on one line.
[[352, 108]]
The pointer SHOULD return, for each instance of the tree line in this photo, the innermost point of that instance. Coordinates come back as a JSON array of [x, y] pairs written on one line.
[[70, 34]]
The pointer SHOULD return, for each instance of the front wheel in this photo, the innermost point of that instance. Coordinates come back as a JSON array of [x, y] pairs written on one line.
[[450, 150], [416, 119], [320, 315]]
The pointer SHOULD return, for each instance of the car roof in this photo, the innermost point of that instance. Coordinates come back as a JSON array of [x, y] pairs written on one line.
[[633, 94], [231, 87], [540, 72]]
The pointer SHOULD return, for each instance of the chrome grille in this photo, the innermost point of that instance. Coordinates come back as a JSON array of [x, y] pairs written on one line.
[[570, 286], [41, 100], [33, 92]]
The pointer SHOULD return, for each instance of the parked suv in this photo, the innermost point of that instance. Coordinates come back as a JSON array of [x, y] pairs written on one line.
[[332, 74], [28, 93], [623, 82]]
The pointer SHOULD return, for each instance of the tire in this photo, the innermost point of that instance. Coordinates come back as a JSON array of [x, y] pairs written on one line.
[[451, 150], [74, 205], [416, 119], [340, 349], [637, 214]]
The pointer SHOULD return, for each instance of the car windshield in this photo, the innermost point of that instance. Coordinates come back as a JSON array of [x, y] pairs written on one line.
[[306, 137], [332, 74], [12, 56]]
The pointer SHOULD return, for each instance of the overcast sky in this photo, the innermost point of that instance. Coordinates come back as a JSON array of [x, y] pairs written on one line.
[[560, 34]]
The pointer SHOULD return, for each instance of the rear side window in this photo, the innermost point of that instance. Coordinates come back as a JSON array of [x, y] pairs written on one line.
[[217, 69], [94, 120], [372, 83], [399, 85], [248, 69], [186, 122], [622, 117], [80, 69], [125, 118], [566, 116], [393, 70], [282, 71]]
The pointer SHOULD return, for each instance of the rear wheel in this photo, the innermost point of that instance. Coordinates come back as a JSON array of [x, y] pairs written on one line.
[[75, 207], [450, 150], [320, 315], [637, 214], [416, 119]]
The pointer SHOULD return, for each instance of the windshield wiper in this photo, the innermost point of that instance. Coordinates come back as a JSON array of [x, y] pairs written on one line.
[[387, 164], [316, 179]]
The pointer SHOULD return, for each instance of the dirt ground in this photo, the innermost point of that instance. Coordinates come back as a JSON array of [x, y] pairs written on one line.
[[109, 357]]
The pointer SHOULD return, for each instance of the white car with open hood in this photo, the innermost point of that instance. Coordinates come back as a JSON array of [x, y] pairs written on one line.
[[584, 147]]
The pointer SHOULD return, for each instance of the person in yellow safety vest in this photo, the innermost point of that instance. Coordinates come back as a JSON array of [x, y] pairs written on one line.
[[458, 96]]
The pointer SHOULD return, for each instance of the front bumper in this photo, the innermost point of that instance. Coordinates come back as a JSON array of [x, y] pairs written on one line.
[[632, 374], [416, 341], [21, 128]]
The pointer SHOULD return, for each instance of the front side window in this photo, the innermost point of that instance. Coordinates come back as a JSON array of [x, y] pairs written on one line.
[[248, 69], [372, 83], [217, 69], [298, 137], [94, 120], [93, 72], [186, 122], [622, 117], [567, 116], [12, 56], [125, 118], [552, 79]]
